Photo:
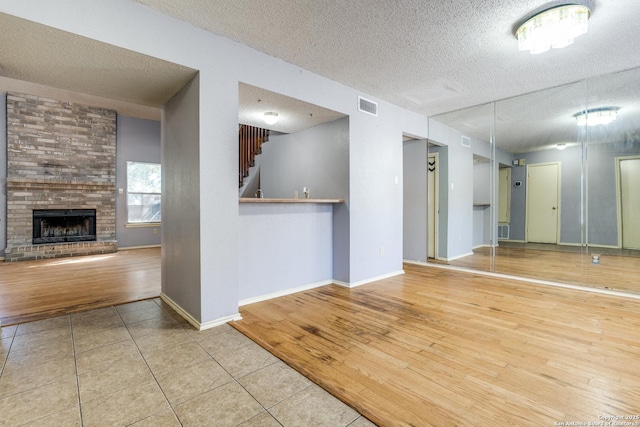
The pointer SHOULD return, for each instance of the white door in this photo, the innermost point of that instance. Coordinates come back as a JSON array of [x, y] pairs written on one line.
[[504, 195], [630, 202], [543, 202], [432, 205]]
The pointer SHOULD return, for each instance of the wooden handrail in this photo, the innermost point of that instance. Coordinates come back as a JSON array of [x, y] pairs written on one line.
[[250, 139]]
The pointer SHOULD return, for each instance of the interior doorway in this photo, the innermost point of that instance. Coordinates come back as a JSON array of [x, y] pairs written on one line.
[[628, 172], [432, 205], [504, 195], [543, 203]]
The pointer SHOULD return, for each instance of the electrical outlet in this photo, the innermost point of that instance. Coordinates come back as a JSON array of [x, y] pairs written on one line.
[[155, 231]]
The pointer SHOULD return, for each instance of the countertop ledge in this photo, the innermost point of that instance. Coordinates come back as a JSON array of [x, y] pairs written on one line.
[[256, 200]]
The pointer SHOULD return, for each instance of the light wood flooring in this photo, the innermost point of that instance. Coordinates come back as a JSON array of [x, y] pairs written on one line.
[[437, 347], [431, 347], [565, 265], [34, 290]]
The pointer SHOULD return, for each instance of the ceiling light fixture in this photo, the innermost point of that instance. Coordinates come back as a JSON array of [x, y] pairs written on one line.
[[596, 116], [553, 28], [561, 146], [270, 117]]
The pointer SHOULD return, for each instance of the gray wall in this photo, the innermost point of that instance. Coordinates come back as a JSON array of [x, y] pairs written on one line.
[[3, 173], [603, 216], [481, 195], [602, 211], [137, 140], [180, 200], [415, 214], [317, 158], [284, 247], [570, 176]]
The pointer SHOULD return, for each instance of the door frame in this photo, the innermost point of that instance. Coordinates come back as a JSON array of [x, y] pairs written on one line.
[[619, 194], [436, 203], [526, 208], [508, 197]]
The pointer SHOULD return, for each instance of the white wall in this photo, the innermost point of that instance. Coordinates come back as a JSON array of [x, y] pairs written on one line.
[[375, 146]]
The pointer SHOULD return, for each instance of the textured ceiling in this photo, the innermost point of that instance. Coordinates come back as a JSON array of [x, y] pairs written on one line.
[[294, 115], [427, 56], [542, 119], [46, 56]]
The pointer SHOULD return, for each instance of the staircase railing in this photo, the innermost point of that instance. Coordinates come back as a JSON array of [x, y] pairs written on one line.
[[250, 139]]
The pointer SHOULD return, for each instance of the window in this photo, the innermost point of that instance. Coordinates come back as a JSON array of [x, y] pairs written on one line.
[[143, 192]]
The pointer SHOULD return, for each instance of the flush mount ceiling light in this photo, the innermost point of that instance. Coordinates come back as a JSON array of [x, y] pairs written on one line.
[[596, 116], [561, 146], [270, 117], [553, 28]]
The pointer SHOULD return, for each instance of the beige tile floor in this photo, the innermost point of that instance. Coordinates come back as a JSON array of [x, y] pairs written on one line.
[[141, 364]]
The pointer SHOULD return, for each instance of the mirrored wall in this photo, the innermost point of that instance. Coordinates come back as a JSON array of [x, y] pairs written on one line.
[[557, 191]]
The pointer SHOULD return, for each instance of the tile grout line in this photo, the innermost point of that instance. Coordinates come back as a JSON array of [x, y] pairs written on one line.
[[148, 367], [75, 365], [6, 358]]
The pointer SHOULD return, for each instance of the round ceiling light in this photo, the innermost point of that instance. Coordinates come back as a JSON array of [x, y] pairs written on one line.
[[553, 28], [596, 116], [270, 117]]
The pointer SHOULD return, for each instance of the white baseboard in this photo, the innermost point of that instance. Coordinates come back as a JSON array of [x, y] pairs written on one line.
[[364, 282], [128, 248], [193, 321], [458, 257], [265, 297], [590, 245], [611, 292], [484, 245]]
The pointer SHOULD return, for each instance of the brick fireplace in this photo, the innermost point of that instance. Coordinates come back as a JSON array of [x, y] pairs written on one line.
[[60, 156]]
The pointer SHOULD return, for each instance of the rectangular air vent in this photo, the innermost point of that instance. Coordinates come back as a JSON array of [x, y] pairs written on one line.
[[466, 141], [503, 232], [367, 106]]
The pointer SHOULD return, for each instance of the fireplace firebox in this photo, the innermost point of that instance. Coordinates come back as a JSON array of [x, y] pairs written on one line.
[[64, 225]]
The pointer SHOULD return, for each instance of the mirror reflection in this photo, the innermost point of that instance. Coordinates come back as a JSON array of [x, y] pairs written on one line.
[[561, 183]]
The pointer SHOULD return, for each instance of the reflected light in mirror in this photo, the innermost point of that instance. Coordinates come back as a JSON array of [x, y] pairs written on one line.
[[596, 116], [553, 28]]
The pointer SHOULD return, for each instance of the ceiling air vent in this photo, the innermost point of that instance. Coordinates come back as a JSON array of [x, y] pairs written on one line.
[[466, 141], [367, 106]]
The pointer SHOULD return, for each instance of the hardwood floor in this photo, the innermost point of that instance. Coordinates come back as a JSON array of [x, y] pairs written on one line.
[[445, 348], [566, 266], [33, 290]]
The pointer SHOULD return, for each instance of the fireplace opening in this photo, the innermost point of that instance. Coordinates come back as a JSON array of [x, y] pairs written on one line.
[[64, 225]]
